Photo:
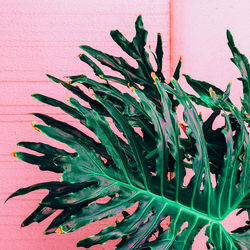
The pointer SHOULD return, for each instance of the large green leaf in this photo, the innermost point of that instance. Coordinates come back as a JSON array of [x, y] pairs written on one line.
[[145, 170]]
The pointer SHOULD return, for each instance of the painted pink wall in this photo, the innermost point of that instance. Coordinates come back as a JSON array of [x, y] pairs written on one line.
[[198, 34], [39, 37], [43, 37]]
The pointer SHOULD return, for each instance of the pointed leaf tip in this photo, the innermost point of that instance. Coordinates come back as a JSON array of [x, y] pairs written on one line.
[[22, 225], [33, 123], [228, 33], [59, 230], [210, 90], [36, 96], [53, 78], [13, 154], [139, 20], [153, 75], [230, 37], [82, 46], [68, 98]]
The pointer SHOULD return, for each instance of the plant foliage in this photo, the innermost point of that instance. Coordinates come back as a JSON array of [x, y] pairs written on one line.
[[149, 167]]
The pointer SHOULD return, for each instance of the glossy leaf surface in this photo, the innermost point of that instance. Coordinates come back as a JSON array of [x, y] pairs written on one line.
[[145, 166]]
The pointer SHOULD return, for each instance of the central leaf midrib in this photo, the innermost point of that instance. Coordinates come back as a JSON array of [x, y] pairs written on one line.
[[162, 198]]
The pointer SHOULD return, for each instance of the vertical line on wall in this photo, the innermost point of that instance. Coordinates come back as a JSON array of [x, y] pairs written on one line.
[[170, 39], [170, 174]]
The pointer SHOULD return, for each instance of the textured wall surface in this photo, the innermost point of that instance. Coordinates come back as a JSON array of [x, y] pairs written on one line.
[[39, 37], [199, 36]]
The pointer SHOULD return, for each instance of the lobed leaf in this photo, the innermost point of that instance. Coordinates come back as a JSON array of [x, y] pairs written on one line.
[[147, 169]]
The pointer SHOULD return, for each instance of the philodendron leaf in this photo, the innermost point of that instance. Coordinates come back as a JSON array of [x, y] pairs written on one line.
[[203, 89], [176, 74], [216, 144], [242, 64], [136, 48], [145, 170], [87, 60], [159, 57]]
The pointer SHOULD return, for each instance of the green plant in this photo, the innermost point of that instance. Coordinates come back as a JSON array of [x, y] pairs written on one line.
[[148, 168]]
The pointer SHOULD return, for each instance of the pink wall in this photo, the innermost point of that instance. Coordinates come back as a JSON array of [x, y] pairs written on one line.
[[43, 37], [39, 37], [198, 34]]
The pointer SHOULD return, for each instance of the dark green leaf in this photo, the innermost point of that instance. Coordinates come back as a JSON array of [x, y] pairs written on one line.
[[242, 64]]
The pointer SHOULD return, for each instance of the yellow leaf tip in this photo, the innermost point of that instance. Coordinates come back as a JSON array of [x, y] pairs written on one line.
[[153, 75], [33, 123], [91, 91], [101, 76], [59, 230], [68, 98], [183, 127]]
